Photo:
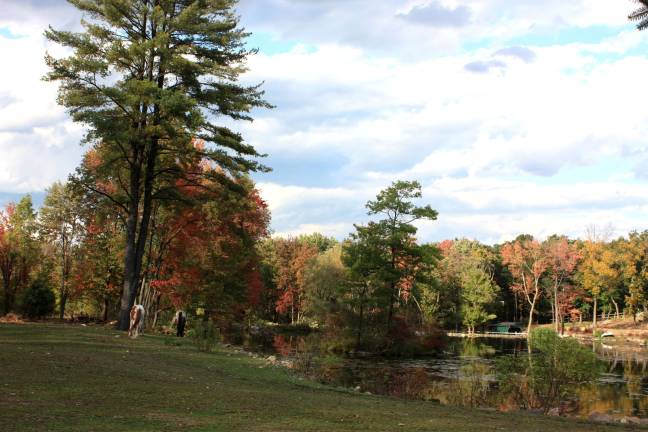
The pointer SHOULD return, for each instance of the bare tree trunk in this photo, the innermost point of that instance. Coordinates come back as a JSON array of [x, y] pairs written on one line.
[[156, 306], [515, 307], [556, 310], [106, 305], [594, 315], [616, 307], [533, 303], [531, 310]]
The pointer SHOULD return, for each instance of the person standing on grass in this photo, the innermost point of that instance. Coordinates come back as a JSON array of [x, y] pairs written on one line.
[[180, 319]]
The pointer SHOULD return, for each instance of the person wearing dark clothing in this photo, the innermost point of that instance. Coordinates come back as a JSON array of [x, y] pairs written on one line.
[[182, 320]]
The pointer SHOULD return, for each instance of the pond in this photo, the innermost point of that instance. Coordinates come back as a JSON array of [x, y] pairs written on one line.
[[468, 372]]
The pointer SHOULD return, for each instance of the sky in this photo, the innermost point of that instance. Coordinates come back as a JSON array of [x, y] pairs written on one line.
[[517, 116]]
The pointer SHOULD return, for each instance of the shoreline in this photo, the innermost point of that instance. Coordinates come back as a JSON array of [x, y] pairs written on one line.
[[73, 378]]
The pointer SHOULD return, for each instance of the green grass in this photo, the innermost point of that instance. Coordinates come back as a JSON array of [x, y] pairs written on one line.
[[68, 378]]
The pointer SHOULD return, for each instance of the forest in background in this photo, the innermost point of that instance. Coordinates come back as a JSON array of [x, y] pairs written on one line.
[[377, 289]]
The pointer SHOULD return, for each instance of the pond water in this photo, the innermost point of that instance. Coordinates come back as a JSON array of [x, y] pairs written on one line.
[[466, 373]]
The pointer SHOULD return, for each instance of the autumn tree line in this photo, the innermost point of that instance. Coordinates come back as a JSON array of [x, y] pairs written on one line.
[[377, 288], [203, 255], [381, 286]]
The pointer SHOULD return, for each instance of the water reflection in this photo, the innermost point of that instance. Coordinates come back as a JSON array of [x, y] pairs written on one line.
[[623, 388], [467, 373]]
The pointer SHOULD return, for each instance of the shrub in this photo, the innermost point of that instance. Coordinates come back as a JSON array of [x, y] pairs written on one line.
[[38, 300], [205, 335], [172, 341], [548, 374]]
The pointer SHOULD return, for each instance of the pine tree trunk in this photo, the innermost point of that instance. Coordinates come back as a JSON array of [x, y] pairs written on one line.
[[131, 268], [130, 278]]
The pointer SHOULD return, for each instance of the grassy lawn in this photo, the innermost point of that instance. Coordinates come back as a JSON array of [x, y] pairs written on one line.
[[69, 378]]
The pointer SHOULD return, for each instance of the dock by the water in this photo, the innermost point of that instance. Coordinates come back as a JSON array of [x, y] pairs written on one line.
[[494, 335]]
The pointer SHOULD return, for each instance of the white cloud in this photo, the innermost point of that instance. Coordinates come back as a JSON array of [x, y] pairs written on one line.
[[415, 29], [565, 108], [481, 144], [337, 230], [490, 210], [366, 98]]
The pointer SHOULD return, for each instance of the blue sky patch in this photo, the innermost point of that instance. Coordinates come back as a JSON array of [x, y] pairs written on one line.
[[567, 35], [269, 44], [6, 33]]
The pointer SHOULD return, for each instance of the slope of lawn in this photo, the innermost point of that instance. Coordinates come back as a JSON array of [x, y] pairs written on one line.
[[71, 378]]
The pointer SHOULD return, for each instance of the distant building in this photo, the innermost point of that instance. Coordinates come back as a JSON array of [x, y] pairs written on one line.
[[505, 327]]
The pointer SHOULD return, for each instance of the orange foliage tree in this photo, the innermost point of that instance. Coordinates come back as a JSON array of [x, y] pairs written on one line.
[[292, 258], [562, 258], [527, 263]]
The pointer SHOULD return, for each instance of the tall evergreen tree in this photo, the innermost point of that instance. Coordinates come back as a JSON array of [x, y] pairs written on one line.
[[640, 15], [398, 255], [148, 78]]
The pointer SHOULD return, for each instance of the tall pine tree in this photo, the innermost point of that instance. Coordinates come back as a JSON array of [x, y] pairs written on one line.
[[396, 256], [148, 78]]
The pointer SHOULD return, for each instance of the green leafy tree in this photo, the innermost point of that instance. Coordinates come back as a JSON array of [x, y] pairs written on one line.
[[477, 293], [600, 274], [321, 242], [325, 281], [148, 78], [462, 261], [635, 272], [60, 223], [97, 262]]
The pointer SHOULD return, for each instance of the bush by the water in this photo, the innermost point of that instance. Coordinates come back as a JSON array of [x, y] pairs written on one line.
[[38, 299], [550, 372]]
